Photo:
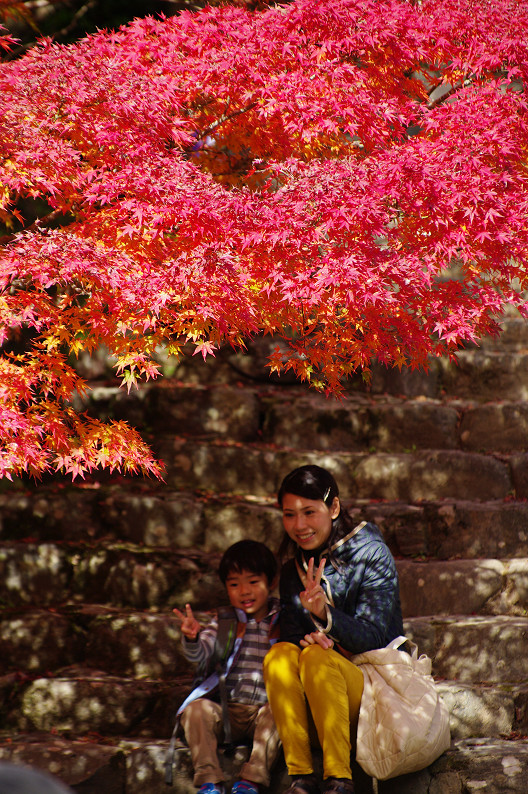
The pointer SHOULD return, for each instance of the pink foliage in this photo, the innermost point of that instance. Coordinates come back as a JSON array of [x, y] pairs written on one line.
[[314, 171]]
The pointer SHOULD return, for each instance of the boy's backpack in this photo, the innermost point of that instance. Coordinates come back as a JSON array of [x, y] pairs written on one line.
[[225, 641]]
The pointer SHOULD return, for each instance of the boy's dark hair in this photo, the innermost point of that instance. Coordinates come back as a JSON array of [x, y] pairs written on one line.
[[248, 555]]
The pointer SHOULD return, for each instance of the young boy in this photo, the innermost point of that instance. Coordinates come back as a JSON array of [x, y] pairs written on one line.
[[248, 570]]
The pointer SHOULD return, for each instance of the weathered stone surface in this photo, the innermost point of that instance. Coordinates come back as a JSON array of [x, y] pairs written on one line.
[[411, 383], [431, 475], [86, 701], [48, 513], [478, 711], [32, 573], [492, 766], [155, 519], [89, 768], [491, 529], [486, 375], [417, 424], [450, 528], [227, 524], [442, 474], [221, 411], [359, 424], [499, 427], [473, 649], [38, 641], [313, 422], [101, 704], [513, 597], [451, 587], [519, 470], [149, 578], [136, 644]]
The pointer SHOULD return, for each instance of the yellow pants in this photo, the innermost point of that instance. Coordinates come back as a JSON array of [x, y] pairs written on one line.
[[331, 687]]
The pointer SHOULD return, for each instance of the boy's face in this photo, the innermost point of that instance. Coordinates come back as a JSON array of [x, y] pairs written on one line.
[[250, 592]]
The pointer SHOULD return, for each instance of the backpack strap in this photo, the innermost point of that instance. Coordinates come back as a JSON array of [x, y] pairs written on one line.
[[225, 640]]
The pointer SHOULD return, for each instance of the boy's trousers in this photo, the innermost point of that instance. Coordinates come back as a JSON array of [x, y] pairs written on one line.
[[202, 723]]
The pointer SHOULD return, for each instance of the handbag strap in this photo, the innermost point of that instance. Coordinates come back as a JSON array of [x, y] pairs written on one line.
[[411, 647]]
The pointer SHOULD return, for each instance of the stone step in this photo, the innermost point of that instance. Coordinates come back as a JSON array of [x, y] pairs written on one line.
[[137, 766], [481, 587], [473, 649], [127, 575], [467, 649], [301, 418], [184, 520], [121, 642], [80, 701], [410, 477]]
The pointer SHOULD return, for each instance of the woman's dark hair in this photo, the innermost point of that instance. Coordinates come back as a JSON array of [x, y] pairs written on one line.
[[313, 482], [248, 555]]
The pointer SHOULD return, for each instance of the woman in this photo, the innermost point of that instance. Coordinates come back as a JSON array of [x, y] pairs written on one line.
[[339, 595]]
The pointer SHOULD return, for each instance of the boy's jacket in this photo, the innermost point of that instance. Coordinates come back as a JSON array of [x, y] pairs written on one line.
[[210, 683]]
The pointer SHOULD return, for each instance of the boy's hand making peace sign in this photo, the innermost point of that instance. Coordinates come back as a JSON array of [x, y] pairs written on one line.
[[313, 596], [190, 628]]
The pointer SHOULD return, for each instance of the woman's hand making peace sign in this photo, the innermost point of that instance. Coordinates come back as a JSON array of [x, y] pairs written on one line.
[[313, 596]]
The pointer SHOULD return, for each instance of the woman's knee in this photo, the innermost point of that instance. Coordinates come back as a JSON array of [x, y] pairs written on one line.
[[312, 656], [281, 659]]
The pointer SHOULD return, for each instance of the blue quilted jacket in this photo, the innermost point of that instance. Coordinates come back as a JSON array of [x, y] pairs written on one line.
[[362, 587]]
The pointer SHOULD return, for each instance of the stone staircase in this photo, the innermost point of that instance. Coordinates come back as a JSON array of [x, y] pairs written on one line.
[[90, 666]]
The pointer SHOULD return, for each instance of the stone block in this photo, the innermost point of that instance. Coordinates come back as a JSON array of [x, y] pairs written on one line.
[[497, 427], [223, 411], [37, 641], [484, 375], [412, 424], [33, 573], [80, 705], [166, 519], [447, 587], [49, 513], [491, 529], [474, 650], [136, 644], [88, 768], [493, 766], [138, 578], [519, 473], [478, 711], [227, 524], [431, 475], [313, 422]]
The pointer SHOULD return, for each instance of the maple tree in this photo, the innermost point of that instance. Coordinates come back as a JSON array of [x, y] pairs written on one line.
[[314, 171]]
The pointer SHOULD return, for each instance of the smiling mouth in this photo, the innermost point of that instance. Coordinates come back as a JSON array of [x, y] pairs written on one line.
[[305, 538]]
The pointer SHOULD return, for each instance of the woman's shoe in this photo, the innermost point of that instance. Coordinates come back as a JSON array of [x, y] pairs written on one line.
[[338, 785], [303, 784]]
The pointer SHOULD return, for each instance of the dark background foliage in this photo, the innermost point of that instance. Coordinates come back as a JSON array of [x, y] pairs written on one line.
[[67, 20]]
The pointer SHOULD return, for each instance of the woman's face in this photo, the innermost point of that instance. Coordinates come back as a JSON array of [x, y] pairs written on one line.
[[308, 522]]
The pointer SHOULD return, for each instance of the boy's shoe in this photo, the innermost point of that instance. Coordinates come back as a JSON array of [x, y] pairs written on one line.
[[212, 788], [244, 787]]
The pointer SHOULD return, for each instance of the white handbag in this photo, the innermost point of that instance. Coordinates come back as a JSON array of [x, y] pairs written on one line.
[[403, 723]]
